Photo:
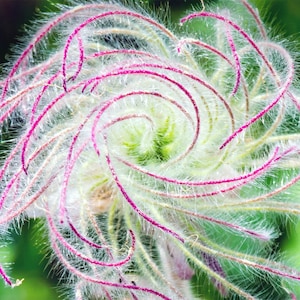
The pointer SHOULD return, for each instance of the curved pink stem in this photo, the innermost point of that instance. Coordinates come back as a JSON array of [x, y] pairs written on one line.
[[88, 278], [134, 206]]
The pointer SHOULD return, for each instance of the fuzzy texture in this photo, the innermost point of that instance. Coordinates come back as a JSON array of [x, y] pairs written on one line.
[[154, 159]]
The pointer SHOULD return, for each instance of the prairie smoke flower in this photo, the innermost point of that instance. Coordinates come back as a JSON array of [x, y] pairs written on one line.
[[155, 160]]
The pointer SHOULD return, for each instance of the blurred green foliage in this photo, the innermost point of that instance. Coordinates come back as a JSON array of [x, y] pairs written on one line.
[[27, 249]]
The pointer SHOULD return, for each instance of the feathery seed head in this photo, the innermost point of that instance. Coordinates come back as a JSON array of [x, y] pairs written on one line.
[[154, 159]]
